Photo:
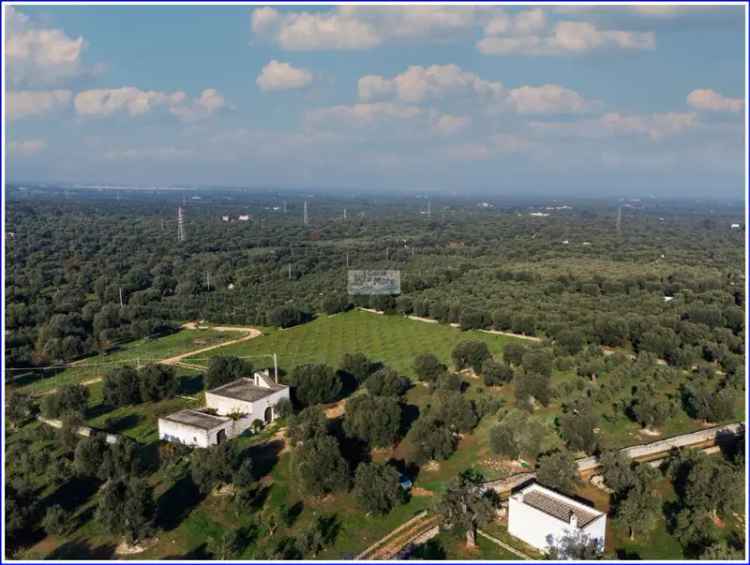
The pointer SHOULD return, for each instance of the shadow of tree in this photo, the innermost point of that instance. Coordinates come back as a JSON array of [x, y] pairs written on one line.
[[176, 503], [80, 550]]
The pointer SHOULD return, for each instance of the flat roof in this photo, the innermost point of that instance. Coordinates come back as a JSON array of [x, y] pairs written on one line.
[[557, 505], [246, 390], [196, 419]]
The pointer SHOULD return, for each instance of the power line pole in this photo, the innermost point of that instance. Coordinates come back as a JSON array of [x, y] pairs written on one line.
[[121, 303], [306, 218], [208, 280], [347, 260], [180, 225], [275, 368], [345, 213]]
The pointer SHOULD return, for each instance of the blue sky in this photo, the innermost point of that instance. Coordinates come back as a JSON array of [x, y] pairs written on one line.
[[554, 99]]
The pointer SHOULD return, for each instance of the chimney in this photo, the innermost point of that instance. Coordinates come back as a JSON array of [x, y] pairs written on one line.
[[573, 520]]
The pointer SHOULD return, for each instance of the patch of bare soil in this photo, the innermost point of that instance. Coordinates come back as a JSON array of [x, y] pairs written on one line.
[[225, 490], [335, 410], [419, 491], [648, 432], [431, 466], [125, 548]]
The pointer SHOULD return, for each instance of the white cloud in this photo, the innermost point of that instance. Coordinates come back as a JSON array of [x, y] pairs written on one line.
[[206, 105], [37, 54], [448, 124], [566, 37], [418, 84], [707, 99], [277, 75], [547, 99], [136, 102], [653, 126], [364, 113], [355, 27], [27, 103], [28, 147]]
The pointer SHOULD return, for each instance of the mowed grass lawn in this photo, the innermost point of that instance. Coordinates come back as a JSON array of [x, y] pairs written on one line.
[[142, 350], [393, 340]]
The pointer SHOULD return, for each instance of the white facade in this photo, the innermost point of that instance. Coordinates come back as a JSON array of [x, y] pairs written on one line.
[[541, 517], [254, 398], [195, 429]]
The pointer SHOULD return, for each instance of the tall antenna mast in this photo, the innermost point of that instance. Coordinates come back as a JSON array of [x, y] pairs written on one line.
[[180, 225], [306, 217], [345, 213]]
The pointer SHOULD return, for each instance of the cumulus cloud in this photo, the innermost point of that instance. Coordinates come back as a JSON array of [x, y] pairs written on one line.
[[27, 148], [448, 124], [363, 113], [418, 84], [707, 99], [136, 102], [652, 126], [205, 106], [37, 54], [355, 27], [277, 75], [27, 103], [529, 33]]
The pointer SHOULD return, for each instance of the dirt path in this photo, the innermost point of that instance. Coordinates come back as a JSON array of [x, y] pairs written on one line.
[[251, 334], [510, 334], [177, 359]]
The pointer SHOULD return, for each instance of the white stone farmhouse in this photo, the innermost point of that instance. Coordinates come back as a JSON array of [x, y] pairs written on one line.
[[253, 397], [230, 410], [542, 518]]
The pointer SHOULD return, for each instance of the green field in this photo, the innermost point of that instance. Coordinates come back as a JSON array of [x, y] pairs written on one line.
[[140, 351], [393, 340]]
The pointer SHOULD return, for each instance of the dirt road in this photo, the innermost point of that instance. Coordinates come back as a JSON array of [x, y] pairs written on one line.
[[177, 359]]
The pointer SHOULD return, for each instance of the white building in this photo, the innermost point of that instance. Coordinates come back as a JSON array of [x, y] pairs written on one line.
[[542, 517], [225, 218], [234, 407], [194, 428], [254, 398], [244, 218]]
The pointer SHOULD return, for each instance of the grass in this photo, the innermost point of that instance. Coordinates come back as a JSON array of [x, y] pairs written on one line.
[[142, 350], [393, 340]]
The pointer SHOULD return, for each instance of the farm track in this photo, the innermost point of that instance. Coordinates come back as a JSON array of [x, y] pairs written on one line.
[[389, 546], [176, 360]]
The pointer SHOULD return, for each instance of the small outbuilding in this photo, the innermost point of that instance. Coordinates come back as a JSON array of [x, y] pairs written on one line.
[[195, 428], [542, 518]]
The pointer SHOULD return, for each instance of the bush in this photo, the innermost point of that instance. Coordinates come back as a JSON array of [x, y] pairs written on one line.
[[377, 487], [315, 384], [158, 382], [387, 382], [288, 316], [223, 370], [56, 521], [357, 365], [496, 373], [374, 419], [320, 467], [428, 368], [471, 354]]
